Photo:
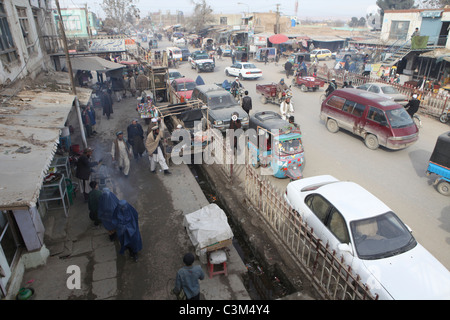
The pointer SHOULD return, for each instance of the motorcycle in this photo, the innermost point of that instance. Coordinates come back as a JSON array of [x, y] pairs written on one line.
[[445, 115], [238, 94]]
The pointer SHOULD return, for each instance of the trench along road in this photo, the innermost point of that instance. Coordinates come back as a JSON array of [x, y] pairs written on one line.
[[398, 178]]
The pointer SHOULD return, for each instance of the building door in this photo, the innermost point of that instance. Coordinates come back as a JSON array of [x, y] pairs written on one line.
[[8, 249], [431, 27]]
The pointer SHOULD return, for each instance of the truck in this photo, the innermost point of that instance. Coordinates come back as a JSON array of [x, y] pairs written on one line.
[[201, 61]]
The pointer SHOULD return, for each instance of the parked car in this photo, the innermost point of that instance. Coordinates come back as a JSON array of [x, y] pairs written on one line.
[[375, 118], [185, 53], [385, 90], [183, 87], [243, 70], [221, 105], [370, 237], [322, 54], [201, 61]]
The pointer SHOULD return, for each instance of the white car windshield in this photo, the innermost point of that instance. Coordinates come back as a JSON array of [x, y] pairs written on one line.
[[249, 66], [381, 237], [389, 90], [201, 56]]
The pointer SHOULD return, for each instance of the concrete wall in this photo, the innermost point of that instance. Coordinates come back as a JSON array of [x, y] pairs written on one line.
[[414, 18], [26, 64]]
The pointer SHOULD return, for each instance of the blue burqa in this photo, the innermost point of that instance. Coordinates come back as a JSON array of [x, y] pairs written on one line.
[[107, 203], [126, 220]]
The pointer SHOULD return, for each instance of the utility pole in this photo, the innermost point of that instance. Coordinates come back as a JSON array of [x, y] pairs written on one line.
[[88, 26], [277, 26], [69, 65]]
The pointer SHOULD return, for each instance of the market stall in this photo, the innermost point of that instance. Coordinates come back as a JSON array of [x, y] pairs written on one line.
[[208, 230]]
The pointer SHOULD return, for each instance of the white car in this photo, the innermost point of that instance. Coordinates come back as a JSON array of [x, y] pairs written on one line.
[[179, 41], [385, 90], [243, 70], [377, 245]]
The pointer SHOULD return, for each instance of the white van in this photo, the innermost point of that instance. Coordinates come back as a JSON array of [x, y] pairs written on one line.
[[176, 53]]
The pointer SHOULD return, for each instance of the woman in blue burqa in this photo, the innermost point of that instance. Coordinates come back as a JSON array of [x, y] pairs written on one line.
[[107, 203], [127, 228]]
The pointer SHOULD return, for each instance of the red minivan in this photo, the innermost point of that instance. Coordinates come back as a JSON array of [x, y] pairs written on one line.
[[377, 119]]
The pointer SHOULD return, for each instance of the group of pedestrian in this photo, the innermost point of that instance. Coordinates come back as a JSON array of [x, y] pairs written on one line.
[[118, 217], [123, 149]]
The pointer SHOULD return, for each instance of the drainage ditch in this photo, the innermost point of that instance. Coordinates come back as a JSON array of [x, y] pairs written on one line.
[[261, 283]]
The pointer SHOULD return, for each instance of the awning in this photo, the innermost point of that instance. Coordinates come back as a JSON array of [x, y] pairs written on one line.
[[30, 127], [94, 63], [438, 54]]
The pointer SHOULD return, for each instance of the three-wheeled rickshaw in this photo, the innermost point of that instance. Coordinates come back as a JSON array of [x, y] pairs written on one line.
[[307, 83], [269, 93], [276, 144], [439, 164]]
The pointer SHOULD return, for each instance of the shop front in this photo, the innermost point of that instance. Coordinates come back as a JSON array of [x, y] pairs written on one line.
[[29, 139]]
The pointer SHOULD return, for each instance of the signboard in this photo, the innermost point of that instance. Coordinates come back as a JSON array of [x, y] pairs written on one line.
[[260, 41], [105, 45]]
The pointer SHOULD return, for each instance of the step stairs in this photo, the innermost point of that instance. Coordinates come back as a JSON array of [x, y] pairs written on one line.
[[397, 56]]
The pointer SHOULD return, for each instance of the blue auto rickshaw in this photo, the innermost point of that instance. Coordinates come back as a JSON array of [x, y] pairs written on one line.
[[276, 144], [439, 164]]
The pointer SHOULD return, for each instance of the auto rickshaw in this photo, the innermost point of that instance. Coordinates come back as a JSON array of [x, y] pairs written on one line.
[[439, 164], [241, 54], [276, 144]]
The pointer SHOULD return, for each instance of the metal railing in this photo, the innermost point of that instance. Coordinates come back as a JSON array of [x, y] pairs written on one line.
[[330, 276], [432, 103]]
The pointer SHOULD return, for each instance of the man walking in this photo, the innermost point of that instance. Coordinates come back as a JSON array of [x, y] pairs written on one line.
[[94, 197], [187, 278], [136, 138], [247, 102], [121, 152], [154, 150], [286, 108], [107, 103], [288, 68], [83, 173]]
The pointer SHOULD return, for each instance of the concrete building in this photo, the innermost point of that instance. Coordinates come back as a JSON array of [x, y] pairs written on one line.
[[34, 110], [27, 33], [78, 22]]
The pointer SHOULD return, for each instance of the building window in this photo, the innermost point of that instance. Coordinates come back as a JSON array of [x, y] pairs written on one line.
[[223, 21], [25, 26], [399, 30], [7, 49], [72, 23]]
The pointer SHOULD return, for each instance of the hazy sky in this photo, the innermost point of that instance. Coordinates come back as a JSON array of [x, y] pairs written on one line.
[[306, 8]]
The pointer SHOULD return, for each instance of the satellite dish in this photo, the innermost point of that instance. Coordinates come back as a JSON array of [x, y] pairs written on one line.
[[373, 17]]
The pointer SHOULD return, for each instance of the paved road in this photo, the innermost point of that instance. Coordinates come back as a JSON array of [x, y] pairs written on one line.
[[397, 177]]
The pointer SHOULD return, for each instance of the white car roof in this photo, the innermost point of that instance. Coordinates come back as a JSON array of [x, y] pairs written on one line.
[[349, 198]]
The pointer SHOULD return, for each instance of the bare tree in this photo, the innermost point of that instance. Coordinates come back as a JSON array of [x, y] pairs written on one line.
[[201, 17], [433, 4], [117, 12]]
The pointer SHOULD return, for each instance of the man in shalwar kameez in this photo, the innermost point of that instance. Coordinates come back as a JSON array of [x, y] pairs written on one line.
[[120, 152], [107, 203], [126, 220]]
